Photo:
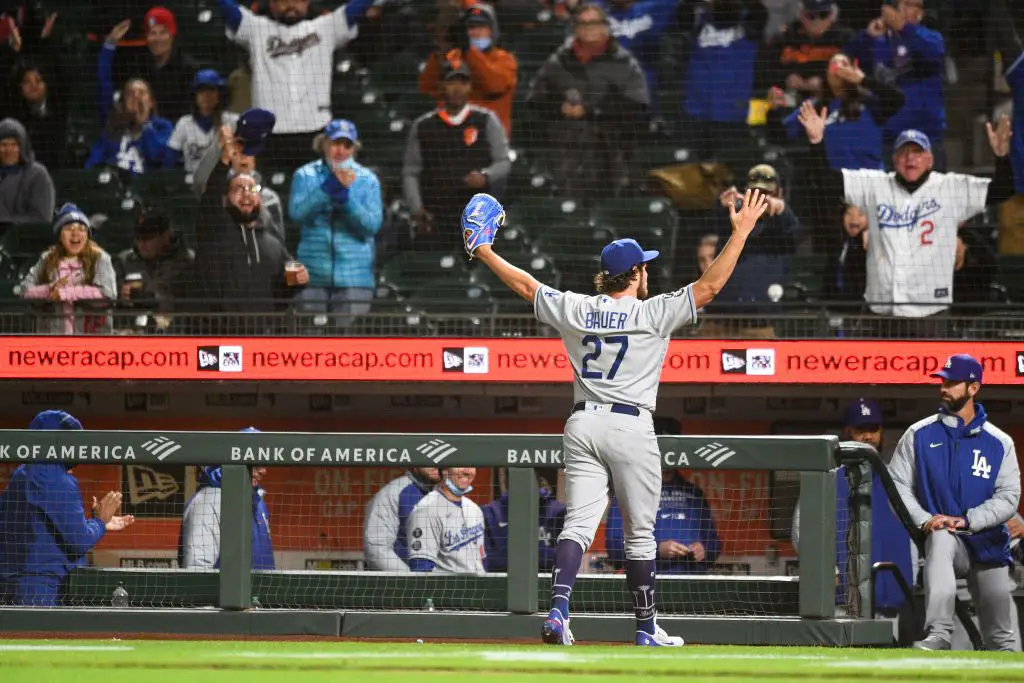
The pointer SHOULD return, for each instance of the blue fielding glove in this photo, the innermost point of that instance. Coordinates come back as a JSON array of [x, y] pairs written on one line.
[[481, 219]]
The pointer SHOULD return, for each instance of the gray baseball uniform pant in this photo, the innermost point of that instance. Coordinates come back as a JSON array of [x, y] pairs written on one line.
[[602, 448], [991, 588]]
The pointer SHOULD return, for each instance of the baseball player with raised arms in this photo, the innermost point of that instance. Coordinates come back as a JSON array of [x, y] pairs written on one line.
[[616, 342]]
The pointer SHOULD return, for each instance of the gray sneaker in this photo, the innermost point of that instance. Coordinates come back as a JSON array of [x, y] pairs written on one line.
[[931, 643]]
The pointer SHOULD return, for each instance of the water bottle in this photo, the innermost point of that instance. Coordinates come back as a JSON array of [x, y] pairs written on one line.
[[120, 596], [428, 605], [255, 604]]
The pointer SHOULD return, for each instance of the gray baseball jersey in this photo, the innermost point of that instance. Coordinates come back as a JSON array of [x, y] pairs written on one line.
[[616, 346], [451, 535]]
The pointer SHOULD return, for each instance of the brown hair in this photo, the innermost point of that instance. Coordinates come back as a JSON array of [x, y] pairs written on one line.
[[613, 284], [120, 120], [90, 256]]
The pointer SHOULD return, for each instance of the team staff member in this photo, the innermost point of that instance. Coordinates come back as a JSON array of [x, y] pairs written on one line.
[[957, 474], [43, 528], [913, 215], [384, 532], [445, 531]]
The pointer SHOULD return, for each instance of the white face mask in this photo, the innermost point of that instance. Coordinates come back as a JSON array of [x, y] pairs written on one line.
[[480, 43], [455, 490], [340, 165]]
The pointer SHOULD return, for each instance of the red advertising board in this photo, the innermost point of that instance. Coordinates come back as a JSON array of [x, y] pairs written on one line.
[[485, 360]]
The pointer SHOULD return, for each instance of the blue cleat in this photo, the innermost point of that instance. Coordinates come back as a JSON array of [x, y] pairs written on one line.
[[556, 630], [658, 639]]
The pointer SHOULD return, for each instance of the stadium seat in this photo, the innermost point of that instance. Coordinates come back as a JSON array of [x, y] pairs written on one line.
[[397, 76], [808, 272], [163, 186], [536, 213], [73, 185], [651, 221], [456, 309], [378, 127], [26, 241], [410, 270], [1011, 275]]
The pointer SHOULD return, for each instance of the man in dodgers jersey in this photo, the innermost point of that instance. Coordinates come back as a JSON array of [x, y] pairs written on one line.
[[446, 530], [616, 342], [913, 215], [386, 517], [957, 474]]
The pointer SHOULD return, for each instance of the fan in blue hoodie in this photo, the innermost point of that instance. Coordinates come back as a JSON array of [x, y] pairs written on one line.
[[199, 542], [43, 528]]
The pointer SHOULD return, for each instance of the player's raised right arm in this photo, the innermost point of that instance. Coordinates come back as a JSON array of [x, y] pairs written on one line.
[[516, 279], [718, 273], [481, 219]]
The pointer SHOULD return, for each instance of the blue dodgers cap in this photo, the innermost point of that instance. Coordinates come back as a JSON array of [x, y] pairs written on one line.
[[54, 419], [863, 413], [621, 255], [913, 137], [960, 367], [208, 78], [341, 129], [70, 213], [254, 127]]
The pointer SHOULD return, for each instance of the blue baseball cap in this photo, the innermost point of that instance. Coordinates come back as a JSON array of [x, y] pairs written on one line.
[[254, 128], [621, 255], [207, 78], [863, 413], [54, 419], [913, 137], [341, 129], [960, 367]]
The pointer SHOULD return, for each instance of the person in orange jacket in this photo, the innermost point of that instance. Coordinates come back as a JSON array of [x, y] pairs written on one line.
[[493, 69]]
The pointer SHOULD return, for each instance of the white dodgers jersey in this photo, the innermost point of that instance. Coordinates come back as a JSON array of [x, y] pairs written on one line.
[[451, 535], [912, 237], [292, 66], [616, 346]]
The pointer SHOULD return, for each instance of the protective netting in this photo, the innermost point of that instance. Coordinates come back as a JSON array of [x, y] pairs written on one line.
[[585, 139], [380, 538]]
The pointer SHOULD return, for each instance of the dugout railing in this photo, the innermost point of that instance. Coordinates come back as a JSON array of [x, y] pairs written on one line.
[[791, 609]]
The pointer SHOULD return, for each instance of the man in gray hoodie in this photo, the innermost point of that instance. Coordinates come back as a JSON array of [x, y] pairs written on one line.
[[26, 189]]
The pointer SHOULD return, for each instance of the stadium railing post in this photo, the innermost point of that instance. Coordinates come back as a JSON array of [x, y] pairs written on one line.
[[818, 544], [859, 562], [523, 539], [235, 538]]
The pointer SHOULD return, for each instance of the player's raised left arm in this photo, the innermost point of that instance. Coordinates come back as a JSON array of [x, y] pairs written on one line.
[[481, 219], [718, 273], [1002, 186]]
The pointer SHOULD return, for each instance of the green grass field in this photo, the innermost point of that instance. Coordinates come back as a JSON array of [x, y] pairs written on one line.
[[145, 661]]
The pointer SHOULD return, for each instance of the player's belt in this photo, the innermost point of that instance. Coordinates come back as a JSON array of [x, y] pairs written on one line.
[[620, 408]]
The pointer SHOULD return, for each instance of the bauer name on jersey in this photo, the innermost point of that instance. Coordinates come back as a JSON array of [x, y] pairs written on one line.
[[448, 534], [616, 346]]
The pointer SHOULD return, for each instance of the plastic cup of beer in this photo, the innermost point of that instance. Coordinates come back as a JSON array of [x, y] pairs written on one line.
[[291, 273]]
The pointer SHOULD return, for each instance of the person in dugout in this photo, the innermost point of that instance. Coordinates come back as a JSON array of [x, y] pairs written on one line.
[[44, 532], [384, 544], [685, 531], [496, 528]]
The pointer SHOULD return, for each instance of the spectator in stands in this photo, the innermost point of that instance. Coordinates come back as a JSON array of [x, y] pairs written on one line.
[[42, 109], [196, 132], [685, 531], [239, 261], [384, 533], [291, 58], [135, 136], [154, 274], [453, 153], [26, 189], [445, 531], [974, 270], [764, 263], [272, 209], [638, 26], [163, 64], [492, 70], [804, 50], [858, 107], [44, 532], [1009, 26], [850, 272], [957, 472], [496, 530], [913, 216], [720, 75], [896, 45], [199, 541], [336, 203], [75, 270], [890, 541], [591, 98]]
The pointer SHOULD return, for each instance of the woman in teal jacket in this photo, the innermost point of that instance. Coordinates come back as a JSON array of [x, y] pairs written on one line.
[[337, 204]]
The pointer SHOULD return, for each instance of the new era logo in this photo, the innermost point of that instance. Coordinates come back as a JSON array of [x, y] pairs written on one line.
[[1020, 363], [146, 484], [734, 362], [436, 450], [161, 447], [208, 358], [452, 360], [219, 358], [714, 453]]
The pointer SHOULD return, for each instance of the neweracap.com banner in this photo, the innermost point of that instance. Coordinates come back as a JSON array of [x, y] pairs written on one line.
[[485, 360]]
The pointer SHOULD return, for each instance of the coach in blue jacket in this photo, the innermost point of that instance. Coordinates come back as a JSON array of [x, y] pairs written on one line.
[[552, 517], [43, 528], [958, 476]]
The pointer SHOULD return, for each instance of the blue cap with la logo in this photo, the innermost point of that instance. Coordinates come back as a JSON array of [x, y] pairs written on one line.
[[960, 367], [863, 413]]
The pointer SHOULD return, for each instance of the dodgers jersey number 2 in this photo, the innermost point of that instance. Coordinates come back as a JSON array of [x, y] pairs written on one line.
[[616, 346]]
